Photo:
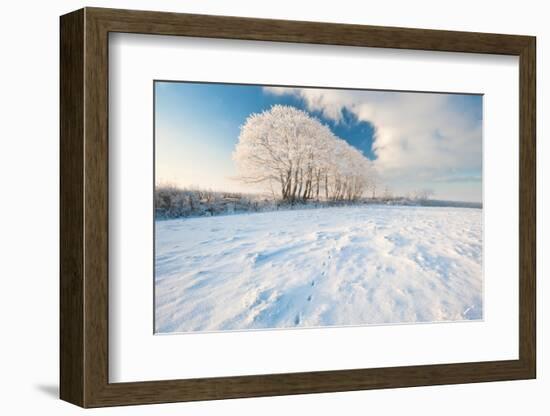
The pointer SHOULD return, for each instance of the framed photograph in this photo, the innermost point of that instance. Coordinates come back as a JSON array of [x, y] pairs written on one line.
[[257, 207]]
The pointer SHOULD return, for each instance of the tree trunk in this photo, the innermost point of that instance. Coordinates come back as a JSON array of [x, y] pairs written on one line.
[[301, 182], [293, 195]]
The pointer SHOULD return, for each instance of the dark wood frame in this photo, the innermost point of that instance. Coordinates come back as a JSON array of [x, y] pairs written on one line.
[[84, 207]]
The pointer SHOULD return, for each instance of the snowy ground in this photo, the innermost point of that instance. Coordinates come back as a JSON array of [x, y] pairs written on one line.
[[318, 267]]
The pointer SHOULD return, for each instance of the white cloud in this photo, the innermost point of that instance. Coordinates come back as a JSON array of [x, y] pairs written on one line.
[[419, 137]]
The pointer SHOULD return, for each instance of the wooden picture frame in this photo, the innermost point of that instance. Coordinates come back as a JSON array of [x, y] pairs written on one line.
[[84, 207]]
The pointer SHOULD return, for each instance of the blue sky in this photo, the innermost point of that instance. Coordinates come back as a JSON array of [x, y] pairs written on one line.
[[416, 140]]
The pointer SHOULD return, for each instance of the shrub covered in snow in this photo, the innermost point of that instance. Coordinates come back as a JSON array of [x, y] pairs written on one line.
[[174, 202]]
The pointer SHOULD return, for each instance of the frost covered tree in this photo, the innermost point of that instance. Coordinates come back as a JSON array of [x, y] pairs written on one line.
[[423, 194], [387, 194], [286, 148]]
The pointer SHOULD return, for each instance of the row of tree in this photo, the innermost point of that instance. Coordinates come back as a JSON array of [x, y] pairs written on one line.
[[300, 158]]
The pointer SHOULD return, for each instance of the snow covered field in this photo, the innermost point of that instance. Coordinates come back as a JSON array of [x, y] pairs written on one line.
[[319, 267]]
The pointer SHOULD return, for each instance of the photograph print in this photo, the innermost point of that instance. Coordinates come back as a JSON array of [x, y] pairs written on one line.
[[280, 207]]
